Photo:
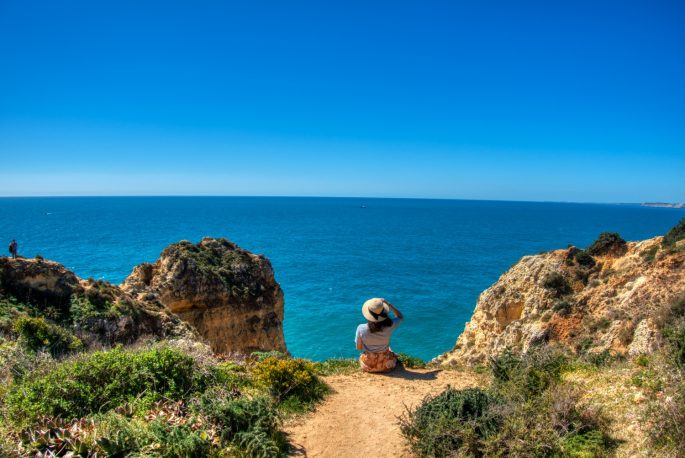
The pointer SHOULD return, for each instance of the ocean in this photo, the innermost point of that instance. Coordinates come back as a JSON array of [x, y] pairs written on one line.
[[430, 258]]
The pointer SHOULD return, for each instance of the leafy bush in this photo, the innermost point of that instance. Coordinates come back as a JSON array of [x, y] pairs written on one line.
[[337, 366], [289, 378], [261, 355], [410, 362], [36, 334], [556, 282], [530, 374], [526, 412], [538, 426], [582, 257], [562, 307], [585, 259], [664, 381], [257, 443], [230, 375], [103, 380], [608, 243], [602, 358], [250, 423], [10, 310], [452, 423], [590, 444], [676, 234], [233, 413]]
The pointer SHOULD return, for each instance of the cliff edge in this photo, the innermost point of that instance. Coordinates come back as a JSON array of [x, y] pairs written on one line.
[[229, 295], [99, 313], [611, 297]]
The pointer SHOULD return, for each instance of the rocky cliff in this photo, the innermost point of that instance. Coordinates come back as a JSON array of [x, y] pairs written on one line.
[[612, 296], [98, 312], [229, 295]]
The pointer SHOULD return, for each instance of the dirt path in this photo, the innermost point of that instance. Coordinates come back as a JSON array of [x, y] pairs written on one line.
[[360, 417]]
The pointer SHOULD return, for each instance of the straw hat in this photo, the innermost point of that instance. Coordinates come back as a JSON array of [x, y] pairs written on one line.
[[377, 307]]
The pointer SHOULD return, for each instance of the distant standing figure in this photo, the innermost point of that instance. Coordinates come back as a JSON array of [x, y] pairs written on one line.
[[13, 249], [374, 336]]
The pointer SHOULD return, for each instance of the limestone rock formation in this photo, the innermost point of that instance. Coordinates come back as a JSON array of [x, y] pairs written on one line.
[[229, 295], [98, 312], [613, 302]]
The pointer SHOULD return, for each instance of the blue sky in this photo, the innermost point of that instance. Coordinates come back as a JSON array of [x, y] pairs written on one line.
[[569, 101]]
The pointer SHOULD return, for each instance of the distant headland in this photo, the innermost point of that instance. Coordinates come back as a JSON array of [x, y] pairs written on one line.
[[662, 204]]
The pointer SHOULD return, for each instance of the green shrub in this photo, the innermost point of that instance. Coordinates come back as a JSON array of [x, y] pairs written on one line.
[[337, 366], [556, 282], [530, 374], [505, 365], [674, 331], [590, 444], [230, 375], [410, 362], [82, 309], [233, 413], [601, 358], [677, 306], [36, 333], [452, 423], [665, 416], [261, 355], [585, 259], [676, 234], [608, 243], [250, 423], [582, 257], [178, 440], [122, 436], [289, 378], [10, 310], [665, 380], [257, 443], [675, 337], [562, 307], [103, 380]]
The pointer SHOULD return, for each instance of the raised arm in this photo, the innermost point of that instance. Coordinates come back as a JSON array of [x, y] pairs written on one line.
[[394, 310]]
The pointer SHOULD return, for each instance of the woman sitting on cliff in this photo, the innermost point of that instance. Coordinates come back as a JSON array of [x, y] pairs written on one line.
[[374, 336]]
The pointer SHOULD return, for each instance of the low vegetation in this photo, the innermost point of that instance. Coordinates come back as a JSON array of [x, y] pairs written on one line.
[[526, 412], [676, 234], [159, 399], [410, 362], [608, 243], [663, 380], [557, 283]]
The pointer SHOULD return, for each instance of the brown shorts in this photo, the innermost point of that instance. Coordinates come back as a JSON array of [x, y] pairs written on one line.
[[378, 362]]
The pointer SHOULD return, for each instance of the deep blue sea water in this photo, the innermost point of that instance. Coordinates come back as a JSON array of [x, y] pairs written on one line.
[[431, 258]]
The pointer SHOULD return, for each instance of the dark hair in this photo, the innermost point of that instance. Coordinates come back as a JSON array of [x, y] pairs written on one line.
[[377, 326]]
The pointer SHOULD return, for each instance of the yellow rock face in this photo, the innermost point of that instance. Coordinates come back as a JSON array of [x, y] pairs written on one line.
[[617, 305], [229, 295]]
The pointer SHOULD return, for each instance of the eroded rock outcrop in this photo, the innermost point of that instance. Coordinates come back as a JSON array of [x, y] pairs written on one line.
[[229, 295], [612, 301], [97, 311]]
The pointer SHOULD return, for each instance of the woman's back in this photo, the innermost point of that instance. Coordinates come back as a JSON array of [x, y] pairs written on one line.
[[378, 341]]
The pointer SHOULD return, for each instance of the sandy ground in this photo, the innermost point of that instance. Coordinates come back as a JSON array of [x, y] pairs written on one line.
[[360, 417]]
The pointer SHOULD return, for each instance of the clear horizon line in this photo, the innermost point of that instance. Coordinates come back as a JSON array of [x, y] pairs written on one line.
[[323, 197]]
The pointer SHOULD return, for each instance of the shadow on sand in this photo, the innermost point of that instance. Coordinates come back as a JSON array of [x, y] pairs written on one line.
[[407, 374]]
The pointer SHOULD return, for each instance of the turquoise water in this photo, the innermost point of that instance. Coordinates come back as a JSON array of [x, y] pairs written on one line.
[[431, 258]]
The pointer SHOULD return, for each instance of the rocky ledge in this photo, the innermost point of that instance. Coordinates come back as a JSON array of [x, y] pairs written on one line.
[[229, 295], [612, 297], [99, 313]]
